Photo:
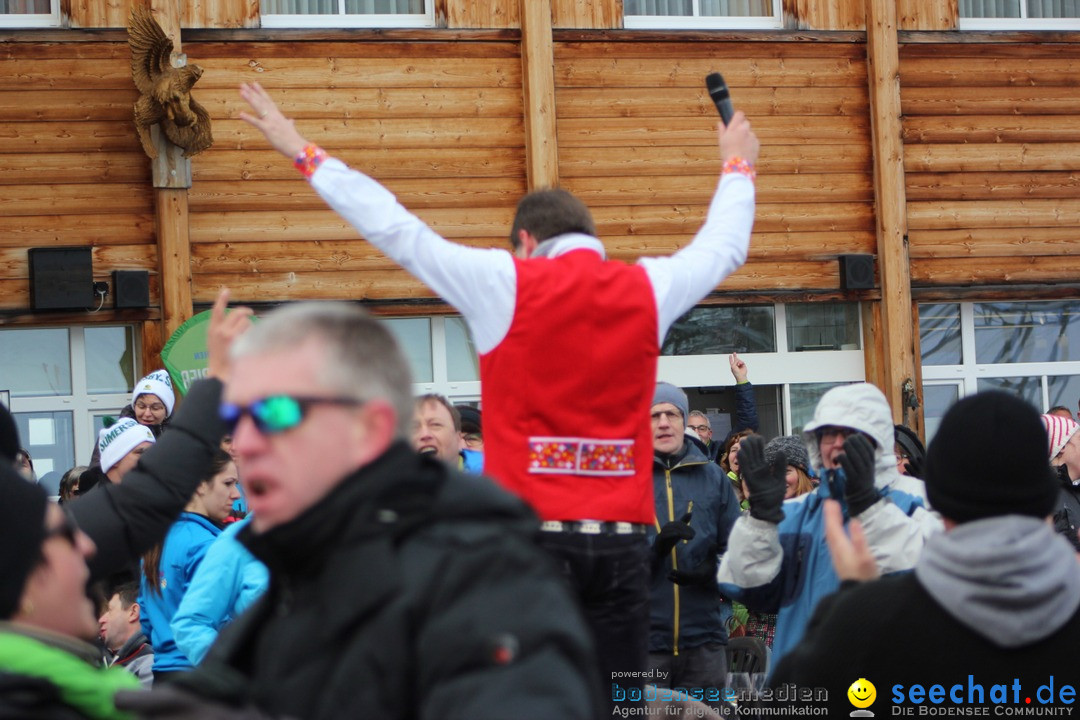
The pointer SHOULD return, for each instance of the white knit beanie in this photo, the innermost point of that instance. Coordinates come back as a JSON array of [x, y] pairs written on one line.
[[1058, 431], [156, 383], [117, 441]]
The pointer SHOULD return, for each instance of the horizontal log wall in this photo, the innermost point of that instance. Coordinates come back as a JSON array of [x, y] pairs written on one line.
[[439, 123], [193, 13], [637, 141], [71, 168], [992, 160]]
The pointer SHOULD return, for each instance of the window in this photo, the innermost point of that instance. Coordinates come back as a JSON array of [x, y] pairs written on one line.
[[1026, 14], [441, 355], [764, 14], [62, 382], [1030, 349], [939, 334], [29, 13], [347, 13], [821, 326], [794, 352], [722, 330]]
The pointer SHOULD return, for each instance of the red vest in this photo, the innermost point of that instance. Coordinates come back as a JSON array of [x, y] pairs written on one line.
[[567, 393]]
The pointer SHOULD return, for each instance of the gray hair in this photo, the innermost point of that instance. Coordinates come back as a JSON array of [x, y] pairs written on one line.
[[363, 360], [698, 413]]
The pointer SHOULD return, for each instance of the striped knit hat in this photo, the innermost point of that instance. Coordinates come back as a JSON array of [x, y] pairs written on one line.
[[1058, 431]]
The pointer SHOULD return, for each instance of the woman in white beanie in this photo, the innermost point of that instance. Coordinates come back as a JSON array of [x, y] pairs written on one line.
[[152, 400], [152, 403]]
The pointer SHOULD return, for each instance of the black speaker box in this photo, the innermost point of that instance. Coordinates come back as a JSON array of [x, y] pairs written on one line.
[[131, 289], [857, 272], [61, 278]]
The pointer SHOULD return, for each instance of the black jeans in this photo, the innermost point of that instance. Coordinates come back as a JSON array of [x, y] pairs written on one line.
[[610, 575]]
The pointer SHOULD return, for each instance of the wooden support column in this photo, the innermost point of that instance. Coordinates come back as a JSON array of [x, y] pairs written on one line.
[[172, 178], [538, 90], [896, 364]]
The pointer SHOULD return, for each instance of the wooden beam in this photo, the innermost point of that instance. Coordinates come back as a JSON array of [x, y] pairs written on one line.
[[897, 341], [171, 178], [174, 256], [538, 91]]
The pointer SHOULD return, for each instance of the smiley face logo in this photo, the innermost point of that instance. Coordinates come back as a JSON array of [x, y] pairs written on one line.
[[862, 693]]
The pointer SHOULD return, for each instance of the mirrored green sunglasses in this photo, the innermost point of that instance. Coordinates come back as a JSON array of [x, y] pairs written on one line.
[[277, 413]]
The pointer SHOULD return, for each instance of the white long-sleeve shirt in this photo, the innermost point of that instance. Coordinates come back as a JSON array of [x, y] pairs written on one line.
[[481, 283]]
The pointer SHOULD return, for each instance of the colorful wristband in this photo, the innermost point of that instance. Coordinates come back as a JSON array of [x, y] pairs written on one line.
[[738, 165], [308, 160]]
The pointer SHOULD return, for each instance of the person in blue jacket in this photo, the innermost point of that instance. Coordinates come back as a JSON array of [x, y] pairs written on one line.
[[225, 584], [169, 568], [777, 559]]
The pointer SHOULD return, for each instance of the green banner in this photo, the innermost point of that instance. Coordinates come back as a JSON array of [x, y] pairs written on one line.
[[184, 355]]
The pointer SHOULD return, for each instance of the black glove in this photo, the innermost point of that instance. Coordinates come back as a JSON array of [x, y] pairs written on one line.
[[765, 481], [858, 463], [671, 534], [703, 574]]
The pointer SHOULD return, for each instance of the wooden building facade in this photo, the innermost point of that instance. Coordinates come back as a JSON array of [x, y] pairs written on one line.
[[951, 156]]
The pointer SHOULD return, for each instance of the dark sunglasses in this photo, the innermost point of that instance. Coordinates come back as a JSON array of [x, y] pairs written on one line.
[[277, 413], [67, 529]]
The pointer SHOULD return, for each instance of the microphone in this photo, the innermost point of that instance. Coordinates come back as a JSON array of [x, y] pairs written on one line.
[[718, 91]]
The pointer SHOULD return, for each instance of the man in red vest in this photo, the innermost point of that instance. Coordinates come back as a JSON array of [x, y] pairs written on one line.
[[568, 345]]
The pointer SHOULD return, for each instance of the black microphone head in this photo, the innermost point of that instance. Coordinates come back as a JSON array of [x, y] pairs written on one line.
[[717, 87], [718, 91]]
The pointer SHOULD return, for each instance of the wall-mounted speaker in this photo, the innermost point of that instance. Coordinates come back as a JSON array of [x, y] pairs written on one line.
[[857, 272], [131, 289], [61, 278]]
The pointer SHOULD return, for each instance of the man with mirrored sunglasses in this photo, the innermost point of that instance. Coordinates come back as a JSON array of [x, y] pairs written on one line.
[[399, 587]]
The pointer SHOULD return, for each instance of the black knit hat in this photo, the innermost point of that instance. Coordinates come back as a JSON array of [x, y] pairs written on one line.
[[22, 530], [471, 419], [988, 458], [9, 436], [793, 447]]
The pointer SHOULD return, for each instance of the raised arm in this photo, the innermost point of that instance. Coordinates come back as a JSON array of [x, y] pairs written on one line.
[[722, 244], [127, 519], [479, 282]]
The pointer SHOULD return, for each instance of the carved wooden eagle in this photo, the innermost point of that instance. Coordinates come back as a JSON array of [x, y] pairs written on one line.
[[166, 90]]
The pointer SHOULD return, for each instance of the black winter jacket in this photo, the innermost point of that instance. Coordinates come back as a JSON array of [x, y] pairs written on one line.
[[128, 519], [1067, 514], [410, 591]]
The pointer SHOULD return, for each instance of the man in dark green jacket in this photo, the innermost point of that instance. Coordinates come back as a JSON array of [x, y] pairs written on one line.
[[695, 510]]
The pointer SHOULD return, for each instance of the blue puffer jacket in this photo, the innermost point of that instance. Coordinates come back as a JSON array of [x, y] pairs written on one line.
[[786, 568], [228, 581], [185, 546], [807, 574], [687, 616]]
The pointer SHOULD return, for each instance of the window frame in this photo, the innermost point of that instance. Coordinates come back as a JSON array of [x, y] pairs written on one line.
[[783, 368], [342, 20], [82, 405], [1021, 23], [699, 22], [33, 20], [968, 373]]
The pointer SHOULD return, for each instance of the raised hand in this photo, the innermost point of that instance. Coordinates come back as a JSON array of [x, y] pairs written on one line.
[[223, 330], [279, 130], [765, 480], [858, 463]]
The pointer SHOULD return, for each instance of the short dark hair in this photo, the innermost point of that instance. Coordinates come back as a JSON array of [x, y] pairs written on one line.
[[128, 593], [547, 213], [455, 414]]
